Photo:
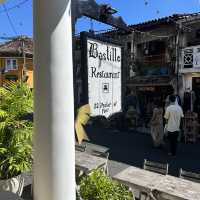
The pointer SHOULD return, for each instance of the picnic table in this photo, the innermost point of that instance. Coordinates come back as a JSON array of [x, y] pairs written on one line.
[[87, 162], [160, 186]]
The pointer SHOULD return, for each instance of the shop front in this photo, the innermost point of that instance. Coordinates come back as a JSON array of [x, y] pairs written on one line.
[[148, 91], [191, 92], [196, 89]]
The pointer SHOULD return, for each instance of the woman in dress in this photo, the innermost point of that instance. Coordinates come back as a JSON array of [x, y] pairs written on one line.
[[156, 122]]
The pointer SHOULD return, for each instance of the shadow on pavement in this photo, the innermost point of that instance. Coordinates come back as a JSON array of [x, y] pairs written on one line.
[[132, 148]]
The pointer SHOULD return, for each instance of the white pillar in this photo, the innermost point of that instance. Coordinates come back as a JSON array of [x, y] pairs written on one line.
[[54, 156]]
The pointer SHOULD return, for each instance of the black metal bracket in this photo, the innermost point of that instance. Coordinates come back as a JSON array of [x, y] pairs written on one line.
[[100, 12]]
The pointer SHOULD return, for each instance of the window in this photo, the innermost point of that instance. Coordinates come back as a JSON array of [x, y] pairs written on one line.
[[128, 45], [198, 34], [11, 64]]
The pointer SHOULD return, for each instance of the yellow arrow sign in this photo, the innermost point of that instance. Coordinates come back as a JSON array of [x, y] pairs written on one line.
[[82, 118]]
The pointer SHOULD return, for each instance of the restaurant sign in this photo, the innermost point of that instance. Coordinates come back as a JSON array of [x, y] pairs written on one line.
[[104, 77]]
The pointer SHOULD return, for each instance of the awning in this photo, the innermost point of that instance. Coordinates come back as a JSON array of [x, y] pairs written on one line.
[[143, 81]]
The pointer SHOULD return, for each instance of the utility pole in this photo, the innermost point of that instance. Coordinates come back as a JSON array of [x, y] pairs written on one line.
[[54, 156]]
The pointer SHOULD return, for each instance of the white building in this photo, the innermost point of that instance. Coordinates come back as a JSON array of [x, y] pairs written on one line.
[[190, 67]]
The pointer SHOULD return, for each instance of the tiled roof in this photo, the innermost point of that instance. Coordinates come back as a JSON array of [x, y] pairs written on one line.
[[15, 47], [164, 20]]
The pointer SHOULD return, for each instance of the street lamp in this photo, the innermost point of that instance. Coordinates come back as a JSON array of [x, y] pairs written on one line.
[[107, 9], [100, 12], [105, 12]]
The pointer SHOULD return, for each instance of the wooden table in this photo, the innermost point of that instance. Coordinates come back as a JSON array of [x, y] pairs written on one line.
[[90, 147], [138, 179], [9, 196], [166, 187], [87, 162], [171, 188]]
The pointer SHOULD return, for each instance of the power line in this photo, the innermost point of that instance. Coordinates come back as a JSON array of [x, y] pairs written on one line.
[[14, 7], [9, 19]]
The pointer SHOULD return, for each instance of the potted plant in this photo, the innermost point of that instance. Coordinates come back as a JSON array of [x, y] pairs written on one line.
[[16, 101], [98, 186]]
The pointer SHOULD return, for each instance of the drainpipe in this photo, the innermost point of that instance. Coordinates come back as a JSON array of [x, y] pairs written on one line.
[[177, 58], [54, 152]]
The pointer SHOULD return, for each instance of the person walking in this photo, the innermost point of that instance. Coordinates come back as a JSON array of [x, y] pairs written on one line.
[[157, 125], [173, 115]]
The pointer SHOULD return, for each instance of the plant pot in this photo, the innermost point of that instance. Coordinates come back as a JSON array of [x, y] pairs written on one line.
[[14, 185]]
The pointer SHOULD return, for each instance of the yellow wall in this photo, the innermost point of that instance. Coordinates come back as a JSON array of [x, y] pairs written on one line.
[[18, 73]]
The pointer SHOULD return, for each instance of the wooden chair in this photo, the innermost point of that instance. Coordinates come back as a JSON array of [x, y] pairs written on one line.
[[156, 167], [80, 147], [102, 155], [153, 167], [132, 117], [191, 176]]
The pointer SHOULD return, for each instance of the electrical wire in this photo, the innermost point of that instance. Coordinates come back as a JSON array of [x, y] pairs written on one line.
[[9, 19], [14, 7]]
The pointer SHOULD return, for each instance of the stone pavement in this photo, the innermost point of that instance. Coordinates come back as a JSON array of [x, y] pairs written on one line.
[[132, 147]]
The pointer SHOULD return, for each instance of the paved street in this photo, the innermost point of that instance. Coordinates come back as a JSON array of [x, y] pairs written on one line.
[[132, 148]]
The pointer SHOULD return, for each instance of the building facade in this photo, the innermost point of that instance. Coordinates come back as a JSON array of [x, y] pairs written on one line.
[[162, 57], [16, 61]]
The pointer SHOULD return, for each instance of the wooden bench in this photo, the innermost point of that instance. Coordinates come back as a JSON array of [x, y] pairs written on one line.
[[191, 176]]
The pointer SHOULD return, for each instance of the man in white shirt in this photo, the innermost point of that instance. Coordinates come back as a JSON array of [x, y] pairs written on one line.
[[173, 115]]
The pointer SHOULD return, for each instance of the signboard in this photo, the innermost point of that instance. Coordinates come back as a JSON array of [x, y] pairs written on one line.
[[104, 77]]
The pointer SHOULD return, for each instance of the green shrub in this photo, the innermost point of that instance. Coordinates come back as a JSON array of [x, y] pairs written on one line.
[[98, 186], [16, 101]]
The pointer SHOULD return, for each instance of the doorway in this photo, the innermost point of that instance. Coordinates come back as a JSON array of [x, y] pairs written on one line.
[[196, 89]]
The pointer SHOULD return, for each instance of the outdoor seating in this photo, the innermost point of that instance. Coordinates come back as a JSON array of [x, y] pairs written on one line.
[[102, 155], [153, 167], [9, 196], [80, 147], [132, 117], [191, 176], [156, 167]]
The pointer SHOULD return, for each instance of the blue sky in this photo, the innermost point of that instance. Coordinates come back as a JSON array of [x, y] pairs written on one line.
[[133, 11]]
